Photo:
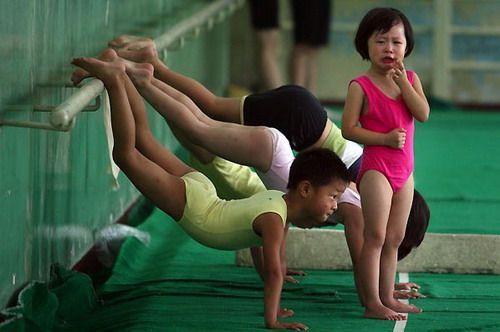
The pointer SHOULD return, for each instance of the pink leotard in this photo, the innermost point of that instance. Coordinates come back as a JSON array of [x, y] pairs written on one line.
[[385, 114]]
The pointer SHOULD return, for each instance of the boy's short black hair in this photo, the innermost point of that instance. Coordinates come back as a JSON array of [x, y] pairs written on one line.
[[417, 224], [318, 166], [381, 20]]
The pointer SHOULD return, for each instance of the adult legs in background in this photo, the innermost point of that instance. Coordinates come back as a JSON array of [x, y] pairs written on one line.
[[311, 32], [264, 16]]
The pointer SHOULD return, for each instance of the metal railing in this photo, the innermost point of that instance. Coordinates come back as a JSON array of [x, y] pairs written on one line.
[[62, 117]]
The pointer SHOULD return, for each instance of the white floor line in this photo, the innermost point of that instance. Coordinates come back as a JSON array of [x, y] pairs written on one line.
[[401, 324]]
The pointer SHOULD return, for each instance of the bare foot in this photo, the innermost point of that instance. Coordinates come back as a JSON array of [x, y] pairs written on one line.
[[404, 294], [80, 74], [139, 73], [284, 313], [382, 312], [402, 307], [406, 286], [105, 71], [144, 54], [126, 41]]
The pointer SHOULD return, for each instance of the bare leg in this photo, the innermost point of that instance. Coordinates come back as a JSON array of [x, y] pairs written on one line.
[[143, 50], [376, 196], [153, 181], [400, 209], [220, 108], [144, 55], [303, 63], [145, 142], [251, 146], [269, 52], [200, 153], [203, 155]]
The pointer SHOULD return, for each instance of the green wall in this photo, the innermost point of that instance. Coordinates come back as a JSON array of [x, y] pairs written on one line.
[[55, 187]]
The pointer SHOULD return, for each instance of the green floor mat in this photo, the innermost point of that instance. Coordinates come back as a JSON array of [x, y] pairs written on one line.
[[457, 303], [175, 284]]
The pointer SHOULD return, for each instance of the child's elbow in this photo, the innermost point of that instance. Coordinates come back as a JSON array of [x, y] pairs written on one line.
[[347, 133], [273, 275], [424, 116]]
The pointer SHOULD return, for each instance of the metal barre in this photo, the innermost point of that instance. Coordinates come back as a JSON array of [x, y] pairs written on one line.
[[62, 118]]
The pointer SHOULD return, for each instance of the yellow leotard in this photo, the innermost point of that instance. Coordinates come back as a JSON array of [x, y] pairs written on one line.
[[348, 151], [232, 181], [335, 141], [221, 224]]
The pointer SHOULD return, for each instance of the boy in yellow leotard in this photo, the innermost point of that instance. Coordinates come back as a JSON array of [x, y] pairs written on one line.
[[317, 178]]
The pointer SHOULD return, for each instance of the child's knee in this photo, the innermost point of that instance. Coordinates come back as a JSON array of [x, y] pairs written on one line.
[[393, 239], [375, 239]]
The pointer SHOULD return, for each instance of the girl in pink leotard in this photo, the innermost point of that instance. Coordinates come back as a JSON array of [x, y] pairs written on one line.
[[384, 100], [385, 114]]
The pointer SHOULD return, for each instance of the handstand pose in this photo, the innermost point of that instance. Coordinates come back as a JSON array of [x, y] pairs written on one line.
[[317, 178]]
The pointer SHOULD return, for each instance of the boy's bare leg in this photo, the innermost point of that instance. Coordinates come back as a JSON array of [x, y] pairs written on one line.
[[151, 179], [250, 146]]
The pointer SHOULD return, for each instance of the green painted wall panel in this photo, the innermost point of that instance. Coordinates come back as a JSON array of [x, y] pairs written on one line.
[[55, 187]]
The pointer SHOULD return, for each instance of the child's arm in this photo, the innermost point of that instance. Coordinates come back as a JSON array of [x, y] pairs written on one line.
[[270, 227], [350, 117], [284, 265], [258, 261], [413, 96], [353, 221], [283, 252]]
